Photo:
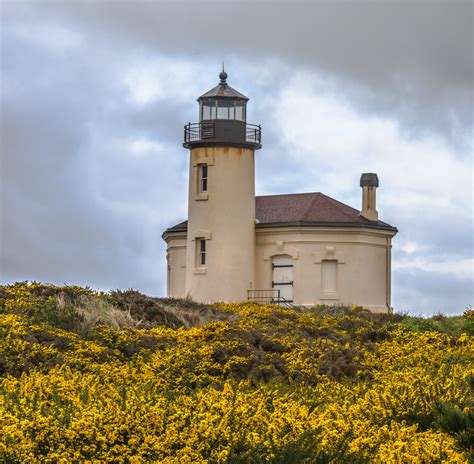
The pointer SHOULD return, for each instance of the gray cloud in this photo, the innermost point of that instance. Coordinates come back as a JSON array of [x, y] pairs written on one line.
[[70, 211], [408, 58], [416, 291], [78, 205]]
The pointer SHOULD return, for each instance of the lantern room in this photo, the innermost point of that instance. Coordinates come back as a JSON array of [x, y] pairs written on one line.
[[222, 102], [222, 120]]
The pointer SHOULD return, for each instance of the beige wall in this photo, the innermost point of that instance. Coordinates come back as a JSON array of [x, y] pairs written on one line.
[[225, 217], [362, 256], [363, 266], [176, 264]]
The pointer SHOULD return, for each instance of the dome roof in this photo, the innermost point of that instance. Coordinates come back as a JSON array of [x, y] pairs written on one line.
[[223, 90]]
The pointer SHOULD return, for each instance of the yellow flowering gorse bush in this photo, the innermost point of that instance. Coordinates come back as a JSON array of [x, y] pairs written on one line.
[[258, 384]]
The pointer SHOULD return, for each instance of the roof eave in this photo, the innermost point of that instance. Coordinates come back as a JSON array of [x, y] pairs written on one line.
[[214, 94], [222, 97], [263, 225], [351, 225], [173, 231]]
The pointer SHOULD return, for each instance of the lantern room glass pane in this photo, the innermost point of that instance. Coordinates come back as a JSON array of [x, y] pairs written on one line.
[[206, 112], [222, 109], [222, 112], [240, 111], [213, 112], [208, 109], [225, 109]]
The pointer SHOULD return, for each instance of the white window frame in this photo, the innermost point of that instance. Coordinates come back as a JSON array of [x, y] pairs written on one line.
[[201, 252], [202, 181], [203, 178]]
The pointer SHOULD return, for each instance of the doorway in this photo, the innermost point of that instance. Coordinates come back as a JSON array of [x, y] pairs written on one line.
[[283, 276]]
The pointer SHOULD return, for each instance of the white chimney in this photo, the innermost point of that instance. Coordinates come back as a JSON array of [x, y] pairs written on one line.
[[369, 183]]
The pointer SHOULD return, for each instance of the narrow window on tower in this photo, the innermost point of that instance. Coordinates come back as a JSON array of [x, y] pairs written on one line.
[[202, 178], [201, 252]]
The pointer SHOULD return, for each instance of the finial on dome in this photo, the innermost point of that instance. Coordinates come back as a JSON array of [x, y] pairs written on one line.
[[223, 75]]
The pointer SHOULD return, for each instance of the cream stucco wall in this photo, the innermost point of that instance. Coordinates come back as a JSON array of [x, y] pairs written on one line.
[[176, 265], [362, 256], [363, 265], [225, 217]]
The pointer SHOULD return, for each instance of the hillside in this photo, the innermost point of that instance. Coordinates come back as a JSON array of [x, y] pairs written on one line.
[[125, 378]]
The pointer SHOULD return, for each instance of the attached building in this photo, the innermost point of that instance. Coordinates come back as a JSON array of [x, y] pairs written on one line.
[[302, 249]]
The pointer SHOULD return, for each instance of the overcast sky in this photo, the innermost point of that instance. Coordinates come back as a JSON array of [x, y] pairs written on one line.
[[94, 97]]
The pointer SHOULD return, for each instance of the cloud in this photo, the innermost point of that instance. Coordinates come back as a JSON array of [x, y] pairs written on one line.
[[409, 60], [94, 99], [460, 268], [325, 132], [424, 292], [80, 201]]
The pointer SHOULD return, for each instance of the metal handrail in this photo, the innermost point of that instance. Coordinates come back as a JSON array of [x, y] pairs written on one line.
[[193, 132], [268, 296]]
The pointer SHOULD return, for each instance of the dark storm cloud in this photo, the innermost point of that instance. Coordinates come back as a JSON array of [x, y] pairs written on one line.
[[408, 58], [58, 187], [81, 203]]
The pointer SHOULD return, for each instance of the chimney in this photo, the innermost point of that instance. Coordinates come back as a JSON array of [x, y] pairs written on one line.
[[369, 183]]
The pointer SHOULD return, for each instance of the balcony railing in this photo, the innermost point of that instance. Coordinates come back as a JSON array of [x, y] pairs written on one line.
[[270, 296], [221, 130]]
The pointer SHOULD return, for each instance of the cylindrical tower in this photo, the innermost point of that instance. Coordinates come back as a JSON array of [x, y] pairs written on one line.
[[220, 255]]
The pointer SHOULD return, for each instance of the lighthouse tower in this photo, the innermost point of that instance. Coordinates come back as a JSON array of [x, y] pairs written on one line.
[[220, 251]]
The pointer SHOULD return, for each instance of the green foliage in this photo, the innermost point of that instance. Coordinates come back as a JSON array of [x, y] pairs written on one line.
[[453, 325], [79, 309], [459, 420]]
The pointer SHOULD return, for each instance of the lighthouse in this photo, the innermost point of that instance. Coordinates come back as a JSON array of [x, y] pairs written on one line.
[[292, 249], [220, 244]]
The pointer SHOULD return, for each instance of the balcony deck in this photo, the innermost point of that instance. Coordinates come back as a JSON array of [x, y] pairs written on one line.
[[222, 132]]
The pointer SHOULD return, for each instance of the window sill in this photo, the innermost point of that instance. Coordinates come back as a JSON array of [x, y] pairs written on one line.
[[200, 270], [201, 197]]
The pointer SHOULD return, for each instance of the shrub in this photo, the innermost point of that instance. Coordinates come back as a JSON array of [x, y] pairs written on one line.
[[122, 377]]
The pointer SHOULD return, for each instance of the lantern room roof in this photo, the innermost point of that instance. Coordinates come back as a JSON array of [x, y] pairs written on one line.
[[223, 90]]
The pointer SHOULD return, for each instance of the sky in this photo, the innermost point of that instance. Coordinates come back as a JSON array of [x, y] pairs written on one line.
[[94, 97]]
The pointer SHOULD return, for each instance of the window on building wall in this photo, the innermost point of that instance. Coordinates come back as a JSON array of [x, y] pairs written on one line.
[[200, 252], [203, 171], [329, 276]]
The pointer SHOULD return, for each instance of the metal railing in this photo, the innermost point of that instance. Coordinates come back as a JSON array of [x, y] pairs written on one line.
[[253, 133], [205, 130], [192, 132], [270, 296]]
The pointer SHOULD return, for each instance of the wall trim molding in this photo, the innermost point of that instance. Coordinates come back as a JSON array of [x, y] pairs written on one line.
[[329, 253], [205, 234], [203, 157], [280, 248]]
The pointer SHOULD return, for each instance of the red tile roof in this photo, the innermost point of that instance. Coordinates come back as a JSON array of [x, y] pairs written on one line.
[[304, 209]]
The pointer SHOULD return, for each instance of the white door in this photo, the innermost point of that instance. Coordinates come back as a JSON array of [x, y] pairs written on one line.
[[283, 276]]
